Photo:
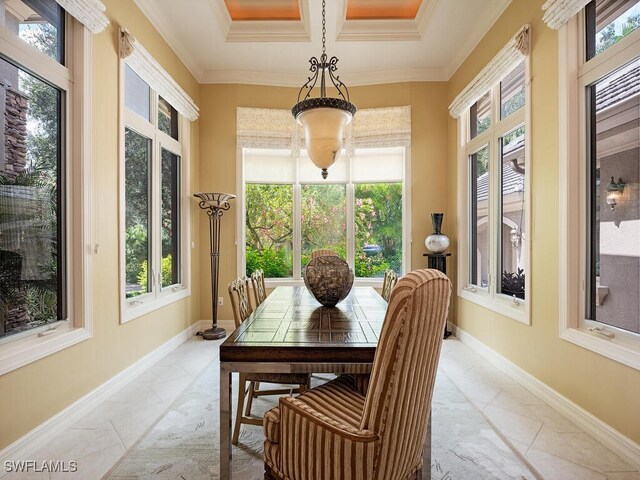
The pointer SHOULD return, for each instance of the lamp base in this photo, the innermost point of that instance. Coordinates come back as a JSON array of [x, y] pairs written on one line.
[[214, 333]]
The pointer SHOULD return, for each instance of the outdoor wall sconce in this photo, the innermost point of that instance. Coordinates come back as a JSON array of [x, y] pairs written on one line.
[[515, 237], [614, 191]]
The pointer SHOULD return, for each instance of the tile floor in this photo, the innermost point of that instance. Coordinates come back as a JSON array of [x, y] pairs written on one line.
[[553, 445]]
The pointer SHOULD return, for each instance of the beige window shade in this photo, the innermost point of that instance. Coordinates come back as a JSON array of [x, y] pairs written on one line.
[[274, 128], [146, 67], [89, 12], [558, 12], [509, 57], [384, 164], [268, 165]]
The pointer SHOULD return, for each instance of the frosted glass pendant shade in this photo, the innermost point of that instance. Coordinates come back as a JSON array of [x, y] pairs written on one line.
[[323, 131]]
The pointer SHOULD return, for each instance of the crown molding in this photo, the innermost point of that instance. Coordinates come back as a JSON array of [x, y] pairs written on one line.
[[386, 30], [262, 30], [150, 10], [247, 77]]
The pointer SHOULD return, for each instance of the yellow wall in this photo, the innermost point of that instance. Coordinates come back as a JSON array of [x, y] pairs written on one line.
[[218, 152], [607, 389], [32, 394]]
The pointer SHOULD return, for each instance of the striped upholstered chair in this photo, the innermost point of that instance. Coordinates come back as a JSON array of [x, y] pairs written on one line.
[[242, 309], [336, 431]]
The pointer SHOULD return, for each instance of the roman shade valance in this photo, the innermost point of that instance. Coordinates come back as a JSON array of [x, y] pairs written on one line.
[[558, 12], [511, 55], [89, 12], [147, 68], [275, 128]]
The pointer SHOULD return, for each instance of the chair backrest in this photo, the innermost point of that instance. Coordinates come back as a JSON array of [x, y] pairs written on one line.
[[398, 400], [259, 290], [390, 279], [240, 302], [323, 251]]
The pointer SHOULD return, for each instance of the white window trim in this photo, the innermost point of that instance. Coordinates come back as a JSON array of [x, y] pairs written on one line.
[[624, 346], [159, 297], [519, 309], [27, 347], [297, 278]]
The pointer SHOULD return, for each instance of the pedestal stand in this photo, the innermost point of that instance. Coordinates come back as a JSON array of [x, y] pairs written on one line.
[[438, 261], [214, 204]]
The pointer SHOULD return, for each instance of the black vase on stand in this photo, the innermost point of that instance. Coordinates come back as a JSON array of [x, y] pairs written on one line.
[[437, 242]]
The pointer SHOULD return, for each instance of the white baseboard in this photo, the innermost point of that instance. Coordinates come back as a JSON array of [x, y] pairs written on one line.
[[608, 436], [26, 446]]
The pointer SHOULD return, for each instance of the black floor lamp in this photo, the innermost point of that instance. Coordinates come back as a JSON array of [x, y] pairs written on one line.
[[215, 204]]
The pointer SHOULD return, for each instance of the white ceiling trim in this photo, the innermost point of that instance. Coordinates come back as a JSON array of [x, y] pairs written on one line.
[[246, 77], [261, 30], [386, 30], [168, 34]]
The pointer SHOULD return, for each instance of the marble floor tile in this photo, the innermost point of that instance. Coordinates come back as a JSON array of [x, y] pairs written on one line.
[[581, 449], [552, 467], [518, 427], [623, 476], [131, 427]]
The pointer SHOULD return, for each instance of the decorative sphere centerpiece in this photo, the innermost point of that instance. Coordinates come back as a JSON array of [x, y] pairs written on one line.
[[437, 242], [329, 279]]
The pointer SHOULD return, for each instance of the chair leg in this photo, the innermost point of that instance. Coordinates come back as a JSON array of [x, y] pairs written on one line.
[[241, 394], [250, 395]]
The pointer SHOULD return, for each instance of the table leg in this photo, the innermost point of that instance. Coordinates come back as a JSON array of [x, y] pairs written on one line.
[[426, 453], [225, 423]]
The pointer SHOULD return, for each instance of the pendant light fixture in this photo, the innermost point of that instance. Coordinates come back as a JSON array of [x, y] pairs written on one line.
[[323, 118]]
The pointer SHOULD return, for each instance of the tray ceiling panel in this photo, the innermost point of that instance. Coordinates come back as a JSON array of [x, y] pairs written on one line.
[[382, 9], [263, 10]]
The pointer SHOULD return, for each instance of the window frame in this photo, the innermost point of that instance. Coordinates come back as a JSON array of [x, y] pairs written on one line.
[[159, 296], [297, 279], [575, 74], [516, 309], [74, 80]]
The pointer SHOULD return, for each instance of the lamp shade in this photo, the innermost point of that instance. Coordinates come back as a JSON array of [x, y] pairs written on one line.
[[323, 131]]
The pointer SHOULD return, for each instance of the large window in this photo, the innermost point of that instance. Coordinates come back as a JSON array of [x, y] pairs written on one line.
[[358, 212], [494, 259], [154, 227], [42, 205], [601, 237]]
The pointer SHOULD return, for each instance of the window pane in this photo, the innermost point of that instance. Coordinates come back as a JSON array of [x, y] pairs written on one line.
[[478, 228], [480, 115], [31, 218], [137, 94], [170, 218], [167, 118], [513, 238], [137, 217], [378, 228], [512, 92], [269, 229], [608, 21], [40, 23], [615, 216], [324, 220]]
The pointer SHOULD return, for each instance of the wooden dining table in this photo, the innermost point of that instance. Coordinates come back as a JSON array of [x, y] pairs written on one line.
[[290, 332]]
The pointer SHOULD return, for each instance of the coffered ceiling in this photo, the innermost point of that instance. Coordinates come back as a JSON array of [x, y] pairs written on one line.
[[269, 42]]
